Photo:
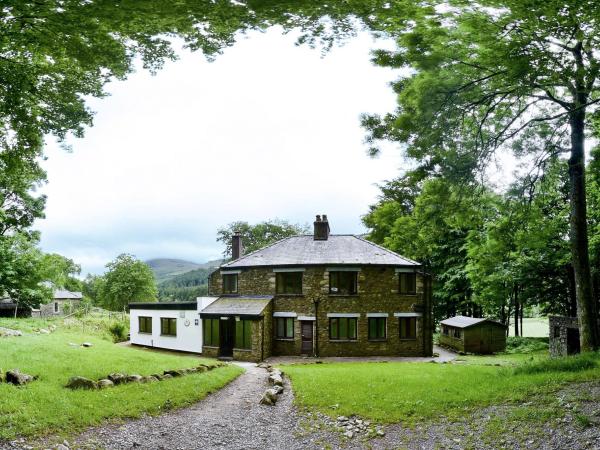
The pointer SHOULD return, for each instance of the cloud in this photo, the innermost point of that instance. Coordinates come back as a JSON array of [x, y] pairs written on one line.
[[267, 130]]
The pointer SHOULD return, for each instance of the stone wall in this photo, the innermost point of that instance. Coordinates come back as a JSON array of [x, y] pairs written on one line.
[[377, 293], [559, 332], [64, 307]]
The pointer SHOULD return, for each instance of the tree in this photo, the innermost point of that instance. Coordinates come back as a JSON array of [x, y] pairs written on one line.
[[61, 272], [500, 75], [259, 235], [21, 277], [92, 288], [127, 280]]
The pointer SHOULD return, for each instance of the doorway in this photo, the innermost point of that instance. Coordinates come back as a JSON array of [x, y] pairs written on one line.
[[227, 335], [573, 341], [306, 328]]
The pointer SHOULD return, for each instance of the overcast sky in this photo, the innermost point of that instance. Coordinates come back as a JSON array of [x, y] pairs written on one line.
[[268, 130]]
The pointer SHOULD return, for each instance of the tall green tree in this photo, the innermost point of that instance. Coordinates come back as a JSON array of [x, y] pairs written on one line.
[[258, 235], [62, 272], [500, 75], [127, 280]]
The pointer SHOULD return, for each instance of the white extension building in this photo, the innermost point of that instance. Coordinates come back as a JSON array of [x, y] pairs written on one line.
[[170, 325]]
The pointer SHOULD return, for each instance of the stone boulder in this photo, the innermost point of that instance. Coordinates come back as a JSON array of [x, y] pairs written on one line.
[[9, 332], [81, 383], [134, 378], [269, 397], [174, 373], [105, 383], [117, 378], [166, 376], [275, 378], [150, 379], [87, 344], [18, 378]]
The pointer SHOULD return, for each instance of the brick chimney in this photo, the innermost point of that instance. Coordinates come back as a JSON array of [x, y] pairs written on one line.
[[321, 232], [237, 248]]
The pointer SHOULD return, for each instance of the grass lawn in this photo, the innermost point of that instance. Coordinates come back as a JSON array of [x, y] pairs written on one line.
[[411, 392], [532, 327], [45, 406]]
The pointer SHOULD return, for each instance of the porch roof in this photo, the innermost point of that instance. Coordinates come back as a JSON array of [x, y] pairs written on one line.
[[247, 306]]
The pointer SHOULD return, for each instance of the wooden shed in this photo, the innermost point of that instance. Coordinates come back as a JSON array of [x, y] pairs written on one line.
[[473, 335]]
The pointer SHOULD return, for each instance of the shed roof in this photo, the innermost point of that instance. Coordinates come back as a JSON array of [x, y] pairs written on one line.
[[305, 250], [249, 305], [466, 322]]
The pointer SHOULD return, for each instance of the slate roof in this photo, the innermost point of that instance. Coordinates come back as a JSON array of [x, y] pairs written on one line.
[[63, 294], [249, 305], [466, 322], [304, 250]]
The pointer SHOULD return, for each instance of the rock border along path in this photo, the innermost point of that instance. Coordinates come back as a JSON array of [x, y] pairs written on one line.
[[230, 418]]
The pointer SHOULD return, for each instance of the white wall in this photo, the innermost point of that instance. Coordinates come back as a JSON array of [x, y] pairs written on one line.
[[189, 328]]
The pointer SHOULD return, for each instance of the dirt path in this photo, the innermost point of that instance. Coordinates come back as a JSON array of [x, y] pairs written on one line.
[[231, 418]]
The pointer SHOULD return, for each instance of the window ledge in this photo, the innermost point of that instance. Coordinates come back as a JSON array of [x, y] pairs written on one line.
[[285, 339], [210, 346], [168, 335], [378, 340], [343, 295], [146, 332], [343, 340], [246, 350]]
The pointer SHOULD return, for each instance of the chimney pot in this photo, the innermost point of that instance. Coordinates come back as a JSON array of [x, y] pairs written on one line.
[[321, 228]]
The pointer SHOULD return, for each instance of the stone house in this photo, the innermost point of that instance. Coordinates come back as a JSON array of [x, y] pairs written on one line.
[[63, 302], [318, 295]]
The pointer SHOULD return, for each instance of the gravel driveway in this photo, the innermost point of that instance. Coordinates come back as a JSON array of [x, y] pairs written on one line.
[[231, 418]]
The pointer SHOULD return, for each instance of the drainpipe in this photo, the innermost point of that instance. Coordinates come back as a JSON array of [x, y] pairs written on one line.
[[316, 328]]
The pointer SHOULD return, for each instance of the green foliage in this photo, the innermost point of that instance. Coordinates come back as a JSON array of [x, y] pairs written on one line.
[[260, 235], [127, 280], [119, 331], [92, 288], [577, 363], [47, 407], [21, 273], [61, 272], [525, 345]]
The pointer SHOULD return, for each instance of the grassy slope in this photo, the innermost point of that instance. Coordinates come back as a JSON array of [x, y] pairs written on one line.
[[167, 268], [409, 392], [45, 406]]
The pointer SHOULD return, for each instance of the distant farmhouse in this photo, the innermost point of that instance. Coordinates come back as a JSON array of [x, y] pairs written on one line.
[[317, 295], [63, 302]]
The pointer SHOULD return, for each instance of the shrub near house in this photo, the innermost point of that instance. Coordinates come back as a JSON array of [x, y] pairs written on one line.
[[320, 294]]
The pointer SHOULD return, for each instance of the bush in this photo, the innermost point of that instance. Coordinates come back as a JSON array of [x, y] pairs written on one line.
[[576, 363], [518, 344], [119, 331]]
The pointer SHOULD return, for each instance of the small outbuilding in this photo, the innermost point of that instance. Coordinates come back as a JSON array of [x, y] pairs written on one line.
[[564, 336], [473, 335]]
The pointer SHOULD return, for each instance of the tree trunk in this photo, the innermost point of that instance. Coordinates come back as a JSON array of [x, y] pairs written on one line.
[[586, 310], [516, 314], [571, 307]]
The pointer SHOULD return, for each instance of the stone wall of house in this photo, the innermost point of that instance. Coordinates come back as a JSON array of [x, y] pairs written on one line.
[[559, 326], [378, 292], [65, 306]]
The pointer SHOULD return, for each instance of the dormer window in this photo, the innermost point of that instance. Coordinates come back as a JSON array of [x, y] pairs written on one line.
[[230, 283]]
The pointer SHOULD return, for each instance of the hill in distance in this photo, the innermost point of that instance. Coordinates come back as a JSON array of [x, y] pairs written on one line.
[[166, 269]]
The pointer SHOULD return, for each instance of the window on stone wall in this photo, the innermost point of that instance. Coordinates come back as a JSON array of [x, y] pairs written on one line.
[[408, 283], [408, 327], [377, 328], [145, 324], [343, 328], [168, 326], [243, 334], [230, 283], [289, 282], [210, 332], [343, 283], [556, 332], [284, 327], [55, 307]]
